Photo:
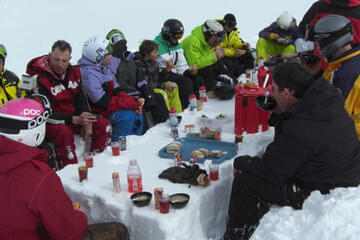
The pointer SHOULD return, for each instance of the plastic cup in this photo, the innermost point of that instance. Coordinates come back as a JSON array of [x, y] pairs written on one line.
[[164, 203], [89, 160], [214, 172], [115, 148], [83, 173]]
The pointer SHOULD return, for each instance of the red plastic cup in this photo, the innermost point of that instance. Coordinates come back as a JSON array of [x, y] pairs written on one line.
[[82, 173], [164, 203], [115, 148], [214, 172]]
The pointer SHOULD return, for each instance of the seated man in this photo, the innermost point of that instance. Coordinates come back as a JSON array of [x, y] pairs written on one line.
[[238, 57], [278, 38], [172, 62], [61, 83], [35, 206], [9, 82], [98, 79], [201, 49], [315, 148]]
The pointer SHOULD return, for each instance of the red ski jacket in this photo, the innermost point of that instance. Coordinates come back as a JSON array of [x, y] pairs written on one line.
[[33, 204]]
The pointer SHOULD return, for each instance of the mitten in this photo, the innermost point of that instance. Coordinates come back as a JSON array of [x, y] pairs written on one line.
[[119, 49]]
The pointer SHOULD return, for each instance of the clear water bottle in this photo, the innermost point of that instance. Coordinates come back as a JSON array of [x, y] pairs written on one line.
[[173, 118], [202, 94], [134, 177]]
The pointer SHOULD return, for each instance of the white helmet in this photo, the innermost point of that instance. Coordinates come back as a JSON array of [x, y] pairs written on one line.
[[286, 20], [213, 27], [23, 120], [94, 49]]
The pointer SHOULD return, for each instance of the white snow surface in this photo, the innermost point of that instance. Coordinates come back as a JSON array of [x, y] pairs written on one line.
[[28, 29]]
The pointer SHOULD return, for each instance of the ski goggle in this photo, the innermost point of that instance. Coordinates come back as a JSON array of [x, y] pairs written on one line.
[[13, 126], [101, 55], [3, 52], [178, 35], [116, 37]]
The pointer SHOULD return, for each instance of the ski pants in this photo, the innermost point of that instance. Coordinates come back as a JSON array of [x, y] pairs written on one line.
[[63, 138], [251, 196], [238, 65], [210, 73], [264, 48]]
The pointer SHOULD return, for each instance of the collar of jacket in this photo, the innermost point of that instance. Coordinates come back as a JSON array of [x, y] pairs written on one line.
[[333, 65]]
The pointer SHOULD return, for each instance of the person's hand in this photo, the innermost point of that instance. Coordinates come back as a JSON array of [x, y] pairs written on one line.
[[84, 118], [78, 207], [246, 46], [169, 66], [274, 36], [239, 52], [194, 70], [170, 86], [119, 49], [219, 52]]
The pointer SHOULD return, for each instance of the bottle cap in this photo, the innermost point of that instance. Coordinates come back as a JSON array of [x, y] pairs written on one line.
[[202, 88], [172, 111], [133, 162], [192, 96]]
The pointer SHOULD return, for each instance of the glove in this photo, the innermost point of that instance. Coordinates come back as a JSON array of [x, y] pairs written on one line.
[[122, 101], [119, 49], [186, 174]]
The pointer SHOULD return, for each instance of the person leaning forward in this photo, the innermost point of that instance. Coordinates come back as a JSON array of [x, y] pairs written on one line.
[[315, 147]]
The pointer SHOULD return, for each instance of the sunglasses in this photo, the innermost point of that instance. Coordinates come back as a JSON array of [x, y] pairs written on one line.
[[230, 24]]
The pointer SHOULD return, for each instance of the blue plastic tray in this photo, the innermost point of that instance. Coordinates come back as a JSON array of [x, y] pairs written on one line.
[[192, 143]]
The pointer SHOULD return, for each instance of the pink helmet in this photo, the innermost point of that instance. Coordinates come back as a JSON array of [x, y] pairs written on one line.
[[23, 120]]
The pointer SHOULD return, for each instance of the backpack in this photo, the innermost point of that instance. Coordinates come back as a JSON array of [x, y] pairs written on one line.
[[126, 122]]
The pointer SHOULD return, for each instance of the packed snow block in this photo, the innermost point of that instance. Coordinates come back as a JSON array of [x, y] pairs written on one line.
[[248, 117]]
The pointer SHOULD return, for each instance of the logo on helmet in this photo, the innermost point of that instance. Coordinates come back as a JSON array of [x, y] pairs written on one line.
[[31, 112]]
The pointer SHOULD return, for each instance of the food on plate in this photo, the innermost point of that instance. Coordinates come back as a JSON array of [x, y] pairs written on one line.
[[216, 153], [197, 154], [174, 147]]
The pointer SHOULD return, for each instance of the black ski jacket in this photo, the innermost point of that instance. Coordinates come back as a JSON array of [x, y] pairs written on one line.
[[315, 144]]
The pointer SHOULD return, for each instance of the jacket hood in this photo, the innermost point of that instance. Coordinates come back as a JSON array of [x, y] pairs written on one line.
[[344, 3], [16, 154], [85, 62], [318, 102], [42, 65], [198, 33]]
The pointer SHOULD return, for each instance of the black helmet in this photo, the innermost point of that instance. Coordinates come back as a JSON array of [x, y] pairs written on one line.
[[331, 32], [225, 87], [172, 28]]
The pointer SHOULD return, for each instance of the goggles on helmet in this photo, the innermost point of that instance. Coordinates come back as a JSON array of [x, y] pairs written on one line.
[[13, 126], [3, 52], [101, 55], [178, 35], [116, 37]]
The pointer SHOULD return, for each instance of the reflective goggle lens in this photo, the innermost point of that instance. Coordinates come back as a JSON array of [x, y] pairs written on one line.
[[116, 37], [178, 36]]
